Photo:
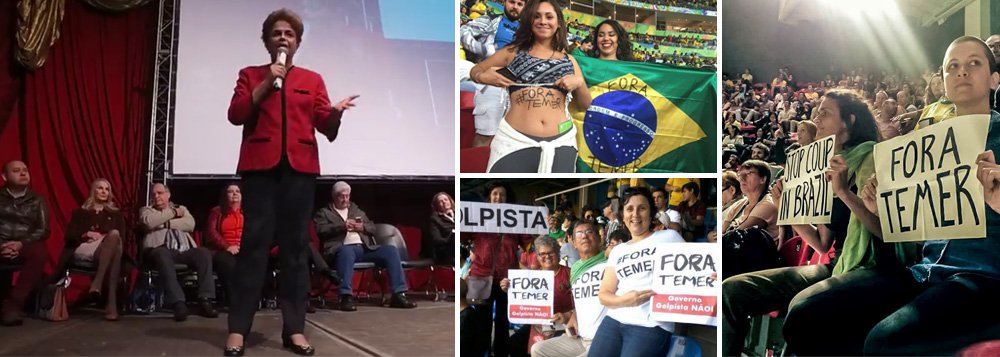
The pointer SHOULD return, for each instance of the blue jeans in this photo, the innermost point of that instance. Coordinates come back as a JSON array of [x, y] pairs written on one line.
[[614, 338], [384, 256]]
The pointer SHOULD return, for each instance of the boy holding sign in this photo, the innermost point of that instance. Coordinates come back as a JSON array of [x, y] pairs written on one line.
[[844, 117], [945, 302]]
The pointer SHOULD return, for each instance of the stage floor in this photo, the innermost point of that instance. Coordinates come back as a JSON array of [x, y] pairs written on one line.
[[427, 330]]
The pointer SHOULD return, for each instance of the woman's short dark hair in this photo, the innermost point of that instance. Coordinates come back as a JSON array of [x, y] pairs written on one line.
[[986, 50], [763, 170], [851, 104], [642, 192], [524, 38], [621, 235], [731, 179], [691, 186], [624, 50], [282, 14], [506, 189]]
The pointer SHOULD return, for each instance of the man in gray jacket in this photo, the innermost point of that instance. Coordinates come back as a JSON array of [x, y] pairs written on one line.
[[481, 38], [168, 242], [348, 236]]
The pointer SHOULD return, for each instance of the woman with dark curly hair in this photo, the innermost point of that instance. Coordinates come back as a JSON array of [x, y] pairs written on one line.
[[611, 42]]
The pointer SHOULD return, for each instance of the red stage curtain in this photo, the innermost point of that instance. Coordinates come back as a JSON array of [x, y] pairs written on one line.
[[85, 113]]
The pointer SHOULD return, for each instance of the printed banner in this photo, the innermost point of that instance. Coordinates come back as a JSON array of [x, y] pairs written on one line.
[[682, 281], [502, 218], [806, 197], [927, 186], [589, 310], [531, 296]]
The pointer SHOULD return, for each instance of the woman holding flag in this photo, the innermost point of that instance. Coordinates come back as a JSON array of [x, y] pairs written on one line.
[[536, 134]]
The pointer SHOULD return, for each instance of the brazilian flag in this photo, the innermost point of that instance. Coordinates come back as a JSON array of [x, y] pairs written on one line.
[[646, 117]]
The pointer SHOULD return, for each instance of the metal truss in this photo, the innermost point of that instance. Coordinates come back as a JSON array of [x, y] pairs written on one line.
[[161, 120]]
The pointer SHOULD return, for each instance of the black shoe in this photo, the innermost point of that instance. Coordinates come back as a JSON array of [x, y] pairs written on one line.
[[347, 303], [332, 276], [302, 350], [180, 311], [310, 309], [11, 319], [207, 309], [399, 300], [233, 351]]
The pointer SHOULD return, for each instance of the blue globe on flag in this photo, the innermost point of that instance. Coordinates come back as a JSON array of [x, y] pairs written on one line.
[[619, 126]]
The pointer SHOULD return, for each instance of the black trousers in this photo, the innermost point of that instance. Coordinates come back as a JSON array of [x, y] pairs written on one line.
[[276, 207], [498, 326], [887, 312]]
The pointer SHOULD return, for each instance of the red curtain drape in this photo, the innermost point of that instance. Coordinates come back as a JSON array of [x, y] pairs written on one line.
[[85, 113]]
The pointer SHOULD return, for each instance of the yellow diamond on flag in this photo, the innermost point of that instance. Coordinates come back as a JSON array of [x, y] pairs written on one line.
[[629, 124]]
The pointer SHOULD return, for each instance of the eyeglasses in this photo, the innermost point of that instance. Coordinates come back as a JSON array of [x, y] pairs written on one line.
[[584, 233], [546, 254]]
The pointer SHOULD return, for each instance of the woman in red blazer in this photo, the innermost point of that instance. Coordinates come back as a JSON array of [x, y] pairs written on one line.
[[279, 162]]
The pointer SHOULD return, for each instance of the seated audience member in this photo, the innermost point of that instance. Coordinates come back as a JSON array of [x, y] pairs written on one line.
[[168, 242], [673, 188], [669, 216], [440, 242], [947, 300], [692, 211], [94, 234], [589, 214], [731, 192], [614, 221], [617, 237], [758, 209], [24, 227], [587, 311], [224, 233], [348, 237], [761, 152], [547, 250]]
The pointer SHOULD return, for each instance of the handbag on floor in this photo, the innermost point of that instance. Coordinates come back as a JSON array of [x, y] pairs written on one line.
[[52, 301]]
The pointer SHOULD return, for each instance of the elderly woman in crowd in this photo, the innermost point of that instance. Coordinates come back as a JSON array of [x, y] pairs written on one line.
[[547, 253], [759, 208]]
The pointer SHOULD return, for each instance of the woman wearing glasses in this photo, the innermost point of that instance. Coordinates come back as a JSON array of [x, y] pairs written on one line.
[[547, 253]]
